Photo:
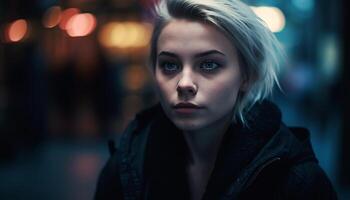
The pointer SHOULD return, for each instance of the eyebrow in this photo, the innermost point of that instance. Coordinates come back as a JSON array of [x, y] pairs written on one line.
[[202, 54]]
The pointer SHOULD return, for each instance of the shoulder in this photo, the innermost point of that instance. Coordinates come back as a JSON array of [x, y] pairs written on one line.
[[301, 175], [108, 185], [121, 172], [307, 180], [126, 157]]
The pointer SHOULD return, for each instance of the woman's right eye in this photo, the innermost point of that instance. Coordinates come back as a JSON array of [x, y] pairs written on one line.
[[169, 67]]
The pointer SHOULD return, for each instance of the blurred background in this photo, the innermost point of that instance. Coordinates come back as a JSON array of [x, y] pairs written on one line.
[[73, 73]]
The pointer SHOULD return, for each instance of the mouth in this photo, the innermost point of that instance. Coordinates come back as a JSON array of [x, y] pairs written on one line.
[[186, 108], [186, 105]]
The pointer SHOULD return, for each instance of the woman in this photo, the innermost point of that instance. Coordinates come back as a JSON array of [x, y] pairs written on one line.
[[213, 135]]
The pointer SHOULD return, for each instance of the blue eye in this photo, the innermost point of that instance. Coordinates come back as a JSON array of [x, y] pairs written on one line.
[[169, 67], [209, 66]]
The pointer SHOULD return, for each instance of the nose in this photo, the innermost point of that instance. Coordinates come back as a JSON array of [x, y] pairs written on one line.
[[186, 86]]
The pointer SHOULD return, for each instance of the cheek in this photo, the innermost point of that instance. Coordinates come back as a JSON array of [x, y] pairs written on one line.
[[163, 87], [225, 92]]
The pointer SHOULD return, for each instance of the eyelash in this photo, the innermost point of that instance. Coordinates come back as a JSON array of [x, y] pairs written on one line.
[[218, 65], [167, 71], [163, 67]]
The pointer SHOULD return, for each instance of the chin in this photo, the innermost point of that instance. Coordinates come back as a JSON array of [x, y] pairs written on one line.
[[187, 125]]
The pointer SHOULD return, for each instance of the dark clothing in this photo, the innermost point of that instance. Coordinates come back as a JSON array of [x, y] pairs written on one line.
[[264, 160]]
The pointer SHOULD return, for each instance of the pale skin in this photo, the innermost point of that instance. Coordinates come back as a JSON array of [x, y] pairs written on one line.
[[197, 63]]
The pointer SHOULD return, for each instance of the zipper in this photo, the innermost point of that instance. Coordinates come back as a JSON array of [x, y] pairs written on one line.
[[260, 169]]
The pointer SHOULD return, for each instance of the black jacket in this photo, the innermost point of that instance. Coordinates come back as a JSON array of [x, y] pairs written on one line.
[[265, 160]]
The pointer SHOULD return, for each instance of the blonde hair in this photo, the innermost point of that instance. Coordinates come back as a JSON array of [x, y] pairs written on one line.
[[258, 48]]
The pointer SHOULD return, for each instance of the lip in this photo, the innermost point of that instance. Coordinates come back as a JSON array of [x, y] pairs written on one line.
[[186, 108], [186, 105]]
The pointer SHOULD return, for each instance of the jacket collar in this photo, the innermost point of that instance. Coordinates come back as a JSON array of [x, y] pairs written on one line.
[[246, 150], [241, 144]]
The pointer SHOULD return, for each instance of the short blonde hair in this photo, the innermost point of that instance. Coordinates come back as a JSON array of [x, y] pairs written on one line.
[[258, 48]]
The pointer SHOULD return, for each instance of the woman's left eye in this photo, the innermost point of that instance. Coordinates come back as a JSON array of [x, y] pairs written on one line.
[[209, 65]]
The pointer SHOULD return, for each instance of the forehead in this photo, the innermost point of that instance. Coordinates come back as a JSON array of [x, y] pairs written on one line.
[[184, 36]]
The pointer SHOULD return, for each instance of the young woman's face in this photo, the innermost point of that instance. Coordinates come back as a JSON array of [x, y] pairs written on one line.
[[197, 74]]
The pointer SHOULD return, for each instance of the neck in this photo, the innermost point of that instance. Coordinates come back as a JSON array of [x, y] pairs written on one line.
[[204, 144]]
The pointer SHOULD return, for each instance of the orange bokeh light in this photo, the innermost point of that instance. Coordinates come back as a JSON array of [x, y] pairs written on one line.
[[125, 35], [81, 25], [66, 15], [52, 17], [17, 30]]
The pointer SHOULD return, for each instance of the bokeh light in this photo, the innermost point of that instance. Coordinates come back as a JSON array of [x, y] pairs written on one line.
[[81, 25], [272, 16], [52, 17], [125, 34], [17, 30], [66, 15], [304, 5]]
